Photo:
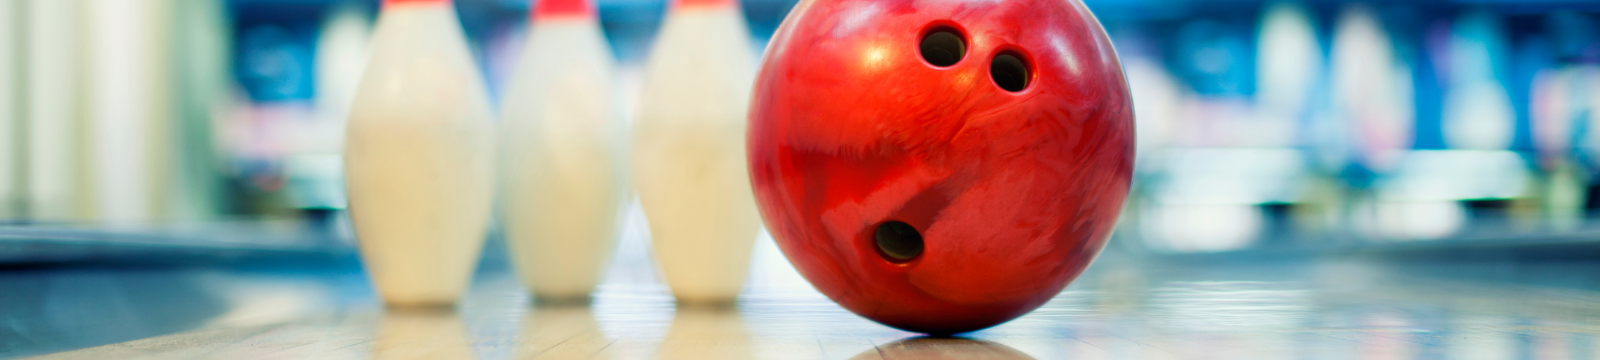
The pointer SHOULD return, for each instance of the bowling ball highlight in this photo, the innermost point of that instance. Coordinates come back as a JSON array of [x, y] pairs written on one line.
[[940, 166]]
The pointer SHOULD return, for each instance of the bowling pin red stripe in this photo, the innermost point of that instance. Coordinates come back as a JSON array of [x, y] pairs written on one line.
[[387, 3], [562, 8], [704, 3]]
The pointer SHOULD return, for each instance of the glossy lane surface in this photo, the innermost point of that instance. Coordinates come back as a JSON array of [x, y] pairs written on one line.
[[1120, 309]]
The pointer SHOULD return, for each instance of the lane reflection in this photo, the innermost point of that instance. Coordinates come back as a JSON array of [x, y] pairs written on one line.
[[933, 348], [562, 332], [50, 310]]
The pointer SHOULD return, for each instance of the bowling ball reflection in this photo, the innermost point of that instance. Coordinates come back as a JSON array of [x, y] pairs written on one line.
[[934, 348]]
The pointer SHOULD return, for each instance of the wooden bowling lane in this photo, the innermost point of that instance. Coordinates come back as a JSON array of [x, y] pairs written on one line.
[[1123, 308]]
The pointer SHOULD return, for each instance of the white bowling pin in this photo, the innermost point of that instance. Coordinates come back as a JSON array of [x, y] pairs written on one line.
[[1477, 112], [1371, 93], [418, 156], [562, 140], [689, 150]]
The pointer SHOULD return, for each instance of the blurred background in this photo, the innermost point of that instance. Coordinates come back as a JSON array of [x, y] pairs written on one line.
[[1262, 125], [209, 131]]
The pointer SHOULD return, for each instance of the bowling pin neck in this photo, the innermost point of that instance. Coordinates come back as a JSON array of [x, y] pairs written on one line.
[[388, 3], [704, 4], [546, 9]]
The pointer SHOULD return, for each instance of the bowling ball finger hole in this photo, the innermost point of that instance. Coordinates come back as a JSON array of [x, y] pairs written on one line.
[[1009, 72], [898, 242], [943, 47]]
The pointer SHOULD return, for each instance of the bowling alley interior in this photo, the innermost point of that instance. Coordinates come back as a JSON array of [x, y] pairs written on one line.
[[799, 179]]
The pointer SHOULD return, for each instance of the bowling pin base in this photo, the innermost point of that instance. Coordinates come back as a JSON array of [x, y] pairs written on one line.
[[396, 292], [560, 301], [707, 302], [424, 310], [419, 305]]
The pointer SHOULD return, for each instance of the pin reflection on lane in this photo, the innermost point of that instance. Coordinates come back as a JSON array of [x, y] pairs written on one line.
[[708, 333], [421, 333], [562, 332]]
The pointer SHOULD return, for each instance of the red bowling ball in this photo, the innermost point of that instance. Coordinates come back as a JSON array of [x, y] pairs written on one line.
[[940, 166]]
